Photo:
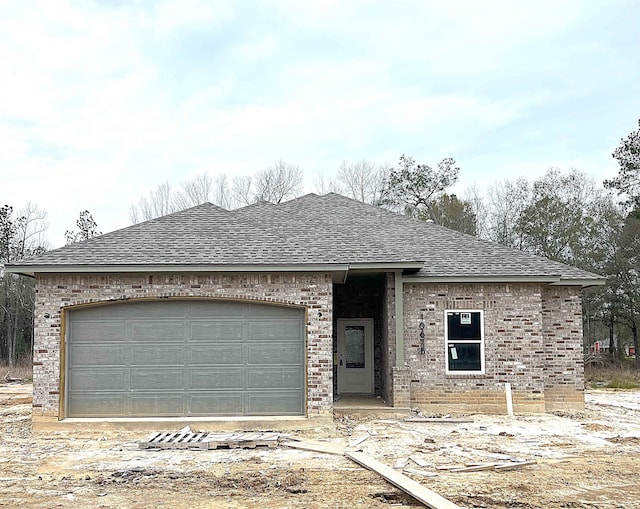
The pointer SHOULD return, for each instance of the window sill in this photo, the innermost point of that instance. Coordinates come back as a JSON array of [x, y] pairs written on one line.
[[467, 375]]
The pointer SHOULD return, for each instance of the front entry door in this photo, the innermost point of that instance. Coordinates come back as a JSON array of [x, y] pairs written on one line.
[[355, 356]]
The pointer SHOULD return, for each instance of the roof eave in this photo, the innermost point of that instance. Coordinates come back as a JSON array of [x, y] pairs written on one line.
[[584, 282], [550, 280], [32, 270]]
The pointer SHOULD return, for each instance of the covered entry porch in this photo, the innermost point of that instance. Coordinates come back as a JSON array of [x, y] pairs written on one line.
[[369, 370]]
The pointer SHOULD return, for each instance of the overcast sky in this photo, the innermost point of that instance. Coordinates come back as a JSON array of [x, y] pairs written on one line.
[[102, 101]]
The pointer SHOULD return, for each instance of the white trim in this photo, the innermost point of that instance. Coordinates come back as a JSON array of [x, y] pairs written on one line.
[[31, 270], [90, 269], [580, 282], [387, 265], [469, 341], [551, 280]]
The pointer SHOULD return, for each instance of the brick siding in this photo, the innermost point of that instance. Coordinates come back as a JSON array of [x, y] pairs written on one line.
[[57, 291], [532, 337], [563, 359]]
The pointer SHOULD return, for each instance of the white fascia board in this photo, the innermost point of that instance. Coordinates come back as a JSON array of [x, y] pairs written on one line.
[[550, 280], [480, 279], [30, 270], [585, 283], [384, 266]]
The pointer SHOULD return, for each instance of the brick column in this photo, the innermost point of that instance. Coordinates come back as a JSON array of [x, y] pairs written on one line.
[[401, 393]]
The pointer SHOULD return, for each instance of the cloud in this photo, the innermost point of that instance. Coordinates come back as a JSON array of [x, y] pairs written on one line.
[[104, 101]]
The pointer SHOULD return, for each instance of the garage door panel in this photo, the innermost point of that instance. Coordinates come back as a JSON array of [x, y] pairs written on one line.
[[216, 309], [278, 330], [270, 312], [156, 332], [97, 355], [157, 355], [98, 331], [221, 403], [146, 379], [216, 354], [152, 310], [227, 378], [282, 403], [275, 354], [97, 405], [209, 330], [98, 380], [173, 358], [159, 404], [275, 378]]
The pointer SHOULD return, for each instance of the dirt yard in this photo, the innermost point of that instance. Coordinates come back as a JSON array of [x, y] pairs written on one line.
[[585, 460]]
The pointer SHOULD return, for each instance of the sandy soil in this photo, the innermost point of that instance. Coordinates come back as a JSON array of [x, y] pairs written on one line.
[[586, 460]]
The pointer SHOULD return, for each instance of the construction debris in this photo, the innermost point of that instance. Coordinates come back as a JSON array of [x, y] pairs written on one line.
[[357, 441], [423, 473], [15, 394], [322, 447], [419, 461], [416, 490], [185, 439], [437, 420], [401, 463], [476, 467]]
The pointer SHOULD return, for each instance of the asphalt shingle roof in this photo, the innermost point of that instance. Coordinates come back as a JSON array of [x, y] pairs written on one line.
[[328, 229]]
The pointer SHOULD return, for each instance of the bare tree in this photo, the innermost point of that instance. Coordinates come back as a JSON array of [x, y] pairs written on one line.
[[363, 181], [222, 192], [242, 191], [324, 186], [506, 202], [160, 202], [278, 182], [274, 184], [474, 198], [19, 237], [193, 192], [30, 228]]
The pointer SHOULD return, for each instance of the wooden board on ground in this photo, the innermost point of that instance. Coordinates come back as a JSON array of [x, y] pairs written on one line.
[[401, 463], [357, 441], [474, 468], [419, 461], [437, 420], [423, 473], [513, 466], [477, 467], [416, 490], [315, 446]]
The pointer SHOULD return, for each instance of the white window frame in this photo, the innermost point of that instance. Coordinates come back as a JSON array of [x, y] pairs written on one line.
[[470, 341]]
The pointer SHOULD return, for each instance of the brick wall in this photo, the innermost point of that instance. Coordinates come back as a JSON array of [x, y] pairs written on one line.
[[563, 359], [518, 346], [388, 339], [56, 291]]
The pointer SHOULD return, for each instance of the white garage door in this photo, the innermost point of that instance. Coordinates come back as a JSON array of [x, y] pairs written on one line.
[[185, 358]]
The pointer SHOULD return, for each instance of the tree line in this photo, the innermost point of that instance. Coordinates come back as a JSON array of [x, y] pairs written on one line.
[[564, 216]]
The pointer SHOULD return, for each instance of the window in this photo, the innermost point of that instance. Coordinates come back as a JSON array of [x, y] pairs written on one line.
[[354, 346], [464, 339]]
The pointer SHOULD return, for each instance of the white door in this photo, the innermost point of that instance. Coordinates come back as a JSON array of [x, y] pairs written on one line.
[[355, 356]]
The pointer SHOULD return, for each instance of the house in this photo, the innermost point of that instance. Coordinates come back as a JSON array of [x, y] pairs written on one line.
[[276, 310]]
